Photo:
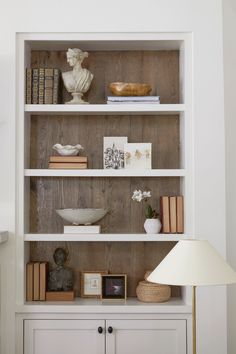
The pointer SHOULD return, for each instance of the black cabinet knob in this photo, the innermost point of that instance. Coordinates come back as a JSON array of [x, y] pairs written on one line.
[[100, 330], [110, 329]]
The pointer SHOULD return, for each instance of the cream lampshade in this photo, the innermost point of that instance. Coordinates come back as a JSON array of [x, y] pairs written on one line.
[[194, 263]]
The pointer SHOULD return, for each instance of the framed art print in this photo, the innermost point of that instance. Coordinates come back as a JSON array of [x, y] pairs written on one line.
[[91, 284], [114, 286], [138, 155], [113, 150]]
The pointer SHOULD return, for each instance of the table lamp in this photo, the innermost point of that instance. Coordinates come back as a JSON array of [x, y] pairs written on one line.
[[193, 263]]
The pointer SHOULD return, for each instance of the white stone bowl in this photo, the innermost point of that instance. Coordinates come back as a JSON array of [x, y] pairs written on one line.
[[82, 216], [67, 150]]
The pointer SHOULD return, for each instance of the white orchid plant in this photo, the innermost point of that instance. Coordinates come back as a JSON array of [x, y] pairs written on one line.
[[139, 196]]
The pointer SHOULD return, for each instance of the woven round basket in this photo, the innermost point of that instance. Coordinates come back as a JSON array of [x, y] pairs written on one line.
[[150, 292]]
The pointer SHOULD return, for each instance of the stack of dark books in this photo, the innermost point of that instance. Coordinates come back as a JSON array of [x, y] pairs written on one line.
[[42, 86]]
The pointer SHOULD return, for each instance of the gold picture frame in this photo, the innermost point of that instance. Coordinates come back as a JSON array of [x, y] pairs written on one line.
[[91, 283]]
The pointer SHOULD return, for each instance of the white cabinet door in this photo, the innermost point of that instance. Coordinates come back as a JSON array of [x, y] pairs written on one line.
[[146, 337], [64, 337]]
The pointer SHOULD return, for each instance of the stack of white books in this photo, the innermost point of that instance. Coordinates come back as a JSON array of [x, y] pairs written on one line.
[[83, 229], [133, 99]]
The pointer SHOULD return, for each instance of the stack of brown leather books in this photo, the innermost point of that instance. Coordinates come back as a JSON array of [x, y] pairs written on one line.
[[172, 214], [68, 162], [36, 281]]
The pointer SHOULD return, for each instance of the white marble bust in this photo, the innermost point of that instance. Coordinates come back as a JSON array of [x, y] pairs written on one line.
[[77, 81]]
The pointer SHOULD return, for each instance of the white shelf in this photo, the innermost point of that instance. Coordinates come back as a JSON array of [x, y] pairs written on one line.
[[106, 237], [105, 173], [3, 236], [96, 109], [131, 305]]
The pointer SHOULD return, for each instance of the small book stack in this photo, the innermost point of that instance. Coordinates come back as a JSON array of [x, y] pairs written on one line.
[[172, 212], [42, 86], [36, 281], [133, 99], [83, 229], [68, 162]]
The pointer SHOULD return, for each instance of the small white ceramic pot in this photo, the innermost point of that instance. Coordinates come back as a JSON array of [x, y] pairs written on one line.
[[152, 226]]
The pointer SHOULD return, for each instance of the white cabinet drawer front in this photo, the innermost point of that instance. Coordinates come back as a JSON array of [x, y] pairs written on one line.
[[146, 337], [63, 337]]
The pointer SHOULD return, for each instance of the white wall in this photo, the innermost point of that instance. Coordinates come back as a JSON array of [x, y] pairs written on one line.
[[229, 30], [203, 18]]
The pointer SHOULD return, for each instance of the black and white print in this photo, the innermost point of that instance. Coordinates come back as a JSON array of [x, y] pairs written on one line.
[[113, 148]]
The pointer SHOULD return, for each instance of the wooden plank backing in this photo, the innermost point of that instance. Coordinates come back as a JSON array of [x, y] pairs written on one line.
[[114, 194], [160, 69], [125, 216], [161, 131], [132, 258]]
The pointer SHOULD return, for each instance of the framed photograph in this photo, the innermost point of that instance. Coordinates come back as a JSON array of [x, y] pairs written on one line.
[[138, 155], [113, 152], [114, 286], [91, 284]]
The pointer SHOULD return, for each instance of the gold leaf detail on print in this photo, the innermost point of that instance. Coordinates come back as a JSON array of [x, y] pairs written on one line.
[[138, 154], [127, 157]]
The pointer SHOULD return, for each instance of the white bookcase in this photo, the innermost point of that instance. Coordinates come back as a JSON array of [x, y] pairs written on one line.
[[3, 236], [101, 42]]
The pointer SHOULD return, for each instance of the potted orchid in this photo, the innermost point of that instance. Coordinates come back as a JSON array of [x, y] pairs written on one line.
[[152, 224]]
